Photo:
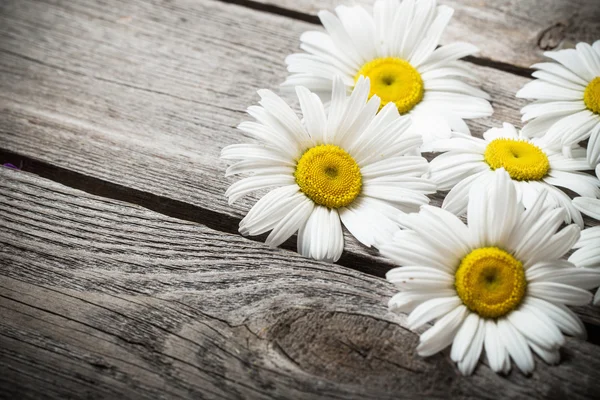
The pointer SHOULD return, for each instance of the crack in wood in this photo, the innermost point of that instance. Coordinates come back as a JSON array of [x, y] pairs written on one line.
[[169, 207]]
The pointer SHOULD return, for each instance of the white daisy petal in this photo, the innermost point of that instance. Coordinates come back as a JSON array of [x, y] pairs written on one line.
[[429, 43], [588, 257], [313, 112], [570, 59], [321, 236], [589, 237], [557, 80], [589, 58], [565, 319], [432, 309], [536, 330], [516, 345], [442, 333], [593, 147], [558, 292], [291, 223], [443, 55], [407, 301], [471, 358], [550, 356], [464, 336], [494, 348], [456, 200], [546, 91], [551, 109], [411, 278], [561, 71], [588, 206], [253, 183]]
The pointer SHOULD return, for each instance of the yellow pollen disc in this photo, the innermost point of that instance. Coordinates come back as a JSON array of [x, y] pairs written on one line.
[[329, 176], [490, 282], [591, 96], [522, 160], [394, 80]]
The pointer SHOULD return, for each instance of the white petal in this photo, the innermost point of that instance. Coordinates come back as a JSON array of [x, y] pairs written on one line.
[[494, 348], [559, 293], [457, 199], [321, 236], [442, 333], [564, 318], [492, 210], [570, 59], [471, 358], [445, 54], [313, 113], [551, 109], [407, 301], [516, 345], [561, 71], [431, 40], [587, 257], [588, 206], [462, 105], [464, 337], [536, 330], [432, 309], [253, 183], [290, 223], [411, 278]]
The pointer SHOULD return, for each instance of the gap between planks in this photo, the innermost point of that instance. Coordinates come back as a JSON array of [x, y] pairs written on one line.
[[216, 221]]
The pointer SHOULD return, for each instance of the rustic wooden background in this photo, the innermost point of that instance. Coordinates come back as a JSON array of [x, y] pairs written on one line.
[[122, 274]]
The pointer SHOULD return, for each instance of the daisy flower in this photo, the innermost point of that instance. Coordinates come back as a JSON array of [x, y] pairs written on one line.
[[497, 284], [531, 165], [568, 94], [588, 253], [394, 46], [350, 165]]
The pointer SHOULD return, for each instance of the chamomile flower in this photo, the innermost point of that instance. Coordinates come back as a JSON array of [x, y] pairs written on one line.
[[568, 94], [588, 247], [395, 46], [350, 165], [530, 164], [497, 284]]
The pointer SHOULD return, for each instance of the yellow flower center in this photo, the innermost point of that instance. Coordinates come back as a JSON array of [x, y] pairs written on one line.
[[591, 96], [394, 80], [329, 176], [490, 282], [522, 160]]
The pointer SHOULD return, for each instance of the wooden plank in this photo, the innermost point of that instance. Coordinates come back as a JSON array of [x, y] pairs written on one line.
[[145, 95], [509, 32], [103, 299]]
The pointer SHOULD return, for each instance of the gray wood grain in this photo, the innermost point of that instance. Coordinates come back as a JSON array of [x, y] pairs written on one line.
[[511, 32], [104, 299], [145, 94]]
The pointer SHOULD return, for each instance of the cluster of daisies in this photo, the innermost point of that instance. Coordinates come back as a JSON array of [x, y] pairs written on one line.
[[376, 91]]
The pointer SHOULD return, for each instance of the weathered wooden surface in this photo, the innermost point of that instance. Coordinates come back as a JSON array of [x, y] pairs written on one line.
[[152, 110], [511, 33], [103, 299], [139, 286]]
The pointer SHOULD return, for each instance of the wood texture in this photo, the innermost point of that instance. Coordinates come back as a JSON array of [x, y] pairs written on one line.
[[102, 299], [145, 95], [514, 33], [132, 101]]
